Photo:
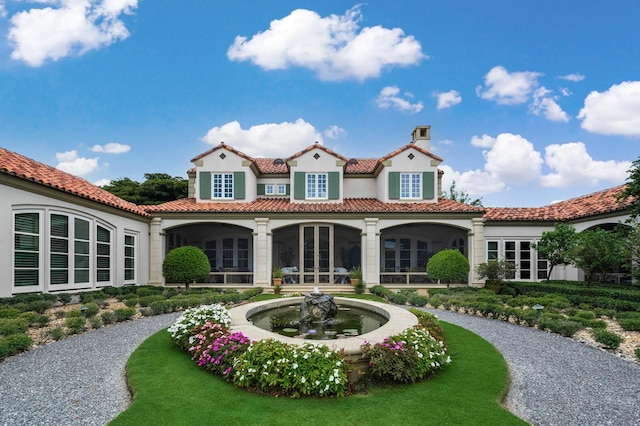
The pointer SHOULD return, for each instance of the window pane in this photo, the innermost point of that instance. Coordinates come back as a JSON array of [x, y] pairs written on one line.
[[27, 242], [81, 247], [59, 261], [59, 276], [26, 260], [81, 262], [81, 276], [59, 245], [103, 249], [23, 278], [128, 263], [128, 274], [102, 262], [104, 235], [59, 225], [129, 240], [81, 229], [27, 222]]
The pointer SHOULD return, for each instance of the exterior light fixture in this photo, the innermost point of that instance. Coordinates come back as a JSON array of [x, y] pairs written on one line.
[[538, 308]]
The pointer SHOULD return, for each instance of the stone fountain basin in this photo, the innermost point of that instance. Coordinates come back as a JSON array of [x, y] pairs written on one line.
[[399, 319]]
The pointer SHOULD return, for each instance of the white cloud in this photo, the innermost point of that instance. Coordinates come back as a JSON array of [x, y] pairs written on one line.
[[111, 148], [484, 141], [265, 140], [69, 27], [545, 103], [388, 98], [513, 159], [102, 182], [476, 183], [565, 91], [70, 162], [574, 166], [3, 9], [575, 77], [613, 112], [446, 142], [508, 88], [330, 46], [448, 99], [334, 132]]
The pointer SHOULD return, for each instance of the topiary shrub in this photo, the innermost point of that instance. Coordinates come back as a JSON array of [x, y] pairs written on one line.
[[447, 266], [495, 271], [185, 265]]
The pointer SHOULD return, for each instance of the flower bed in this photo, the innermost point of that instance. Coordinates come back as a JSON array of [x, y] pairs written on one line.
[[309, 369]]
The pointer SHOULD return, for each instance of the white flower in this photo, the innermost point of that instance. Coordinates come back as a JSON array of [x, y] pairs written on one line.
[[302, 379]]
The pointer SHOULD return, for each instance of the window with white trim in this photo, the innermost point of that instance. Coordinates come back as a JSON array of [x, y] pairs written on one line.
[[268, 189], [129, 257], [27, 249], [316, 188], [222, 185], [410, 185], [282, 189], [103, 254]]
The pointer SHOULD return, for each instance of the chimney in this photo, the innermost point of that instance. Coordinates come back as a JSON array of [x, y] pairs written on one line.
[[421, 136]]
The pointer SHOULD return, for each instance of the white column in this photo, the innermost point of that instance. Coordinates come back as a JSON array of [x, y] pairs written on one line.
[[371, 252], [262, 243], [478, 247], [155, 252]]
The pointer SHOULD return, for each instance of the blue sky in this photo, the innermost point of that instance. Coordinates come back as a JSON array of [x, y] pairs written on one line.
[[530, 102]]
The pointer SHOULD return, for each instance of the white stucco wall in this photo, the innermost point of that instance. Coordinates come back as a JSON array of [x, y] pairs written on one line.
[[14, 199], [360, 188], [231, 163]]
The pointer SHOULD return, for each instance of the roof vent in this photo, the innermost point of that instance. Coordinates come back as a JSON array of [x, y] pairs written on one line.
[[352, 161], [278, 161]]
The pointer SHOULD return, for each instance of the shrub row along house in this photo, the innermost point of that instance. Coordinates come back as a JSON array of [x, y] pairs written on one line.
[[315, 215]]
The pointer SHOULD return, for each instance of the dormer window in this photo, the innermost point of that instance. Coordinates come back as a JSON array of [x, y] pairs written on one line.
[[268, 189], [282, 189], [316, 186], [223, 185]]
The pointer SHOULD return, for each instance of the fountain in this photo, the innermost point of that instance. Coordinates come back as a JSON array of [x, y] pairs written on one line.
[[317, 307]]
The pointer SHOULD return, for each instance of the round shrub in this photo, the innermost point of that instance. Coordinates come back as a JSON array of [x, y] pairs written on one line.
[[92, 309], [64, 298], [124, 314], [95, 322], [417, 300], [185, 265], [56, 333], [108, 317], [14, 344], [447, 266], [9, 326], [75, 324]]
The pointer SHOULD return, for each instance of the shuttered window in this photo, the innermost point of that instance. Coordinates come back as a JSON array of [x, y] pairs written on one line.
[[129, 257], [82, 261], [26, 261], [59, 249], [103, 254]]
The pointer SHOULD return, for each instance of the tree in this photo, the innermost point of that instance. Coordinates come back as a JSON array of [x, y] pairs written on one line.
[[632, 189], [448, 265], [461, 196], [495, 272], [157, 188], [185, 265], [557, 246], [598, 252]]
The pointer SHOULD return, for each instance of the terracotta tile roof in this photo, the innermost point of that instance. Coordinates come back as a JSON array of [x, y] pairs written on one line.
[[222, 145], [316, 146], [21, 167], [598, 203], [404, 148], [282, 205], [363, 166], [268, 166]]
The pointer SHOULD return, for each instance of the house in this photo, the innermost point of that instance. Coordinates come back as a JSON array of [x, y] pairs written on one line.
[[315, 214]]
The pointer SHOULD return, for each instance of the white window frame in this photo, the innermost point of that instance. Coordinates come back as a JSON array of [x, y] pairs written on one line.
[[97, 255], [281, 189], [42, 252], [268, 189], [222, 186], [134, 257], [316, 186], [410, 186]]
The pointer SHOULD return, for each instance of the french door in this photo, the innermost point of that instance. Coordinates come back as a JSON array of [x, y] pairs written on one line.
[[316, 246]]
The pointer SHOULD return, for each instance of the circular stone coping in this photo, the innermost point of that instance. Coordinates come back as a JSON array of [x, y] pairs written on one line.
[[398, 320]]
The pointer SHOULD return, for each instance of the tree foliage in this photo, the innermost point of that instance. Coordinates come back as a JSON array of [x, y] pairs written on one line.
[[557, 246], [632, 189], [448, 265], [157, 188], [185, 265], [461, 196], [495, 271], [598, 253]]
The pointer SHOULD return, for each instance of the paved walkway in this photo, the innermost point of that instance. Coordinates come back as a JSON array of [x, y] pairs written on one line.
[[555, 381]]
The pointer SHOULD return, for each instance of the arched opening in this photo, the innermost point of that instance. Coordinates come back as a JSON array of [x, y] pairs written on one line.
[[406, 249], [316, 253], [228, 247]]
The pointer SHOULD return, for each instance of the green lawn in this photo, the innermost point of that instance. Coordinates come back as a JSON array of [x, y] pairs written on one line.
[[169, 389]]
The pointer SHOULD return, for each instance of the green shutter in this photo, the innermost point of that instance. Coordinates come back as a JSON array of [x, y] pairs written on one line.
[[261, 189], [394, 185], [428, 190], [205, 185], [334, 185], [298, 185], [238, 185], [288, 189]]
